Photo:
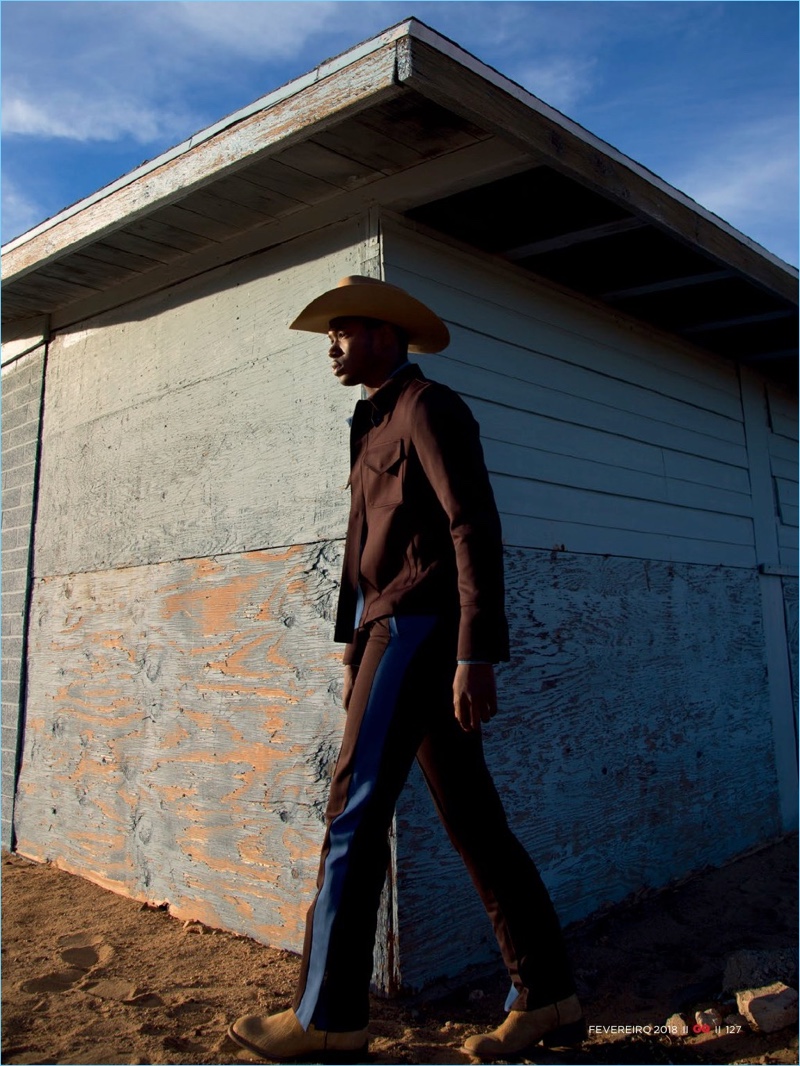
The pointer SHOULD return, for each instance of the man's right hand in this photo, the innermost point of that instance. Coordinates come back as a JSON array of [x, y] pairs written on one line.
[[350, 674]]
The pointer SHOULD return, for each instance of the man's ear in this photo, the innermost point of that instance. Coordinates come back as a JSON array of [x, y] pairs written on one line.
[[389, 341]]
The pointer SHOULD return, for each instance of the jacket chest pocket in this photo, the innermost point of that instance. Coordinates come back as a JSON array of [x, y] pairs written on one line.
[[384, 472]]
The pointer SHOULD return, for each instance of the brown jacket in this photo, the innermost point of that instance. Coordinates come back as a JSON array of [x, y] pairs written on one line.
[[424, 535]]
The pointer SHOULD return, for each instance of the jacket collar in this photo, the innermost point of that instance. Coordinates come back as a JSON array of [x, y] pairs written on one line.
[[386, 397]]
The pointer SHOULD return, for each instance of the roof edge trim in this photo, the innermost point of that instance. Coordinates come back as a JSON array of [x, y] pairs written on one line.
[[263, 103], [501, 81]]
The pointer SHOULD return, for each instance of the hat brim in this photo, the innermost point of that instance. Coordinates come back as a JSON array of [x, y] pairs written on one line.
[[427, 334]]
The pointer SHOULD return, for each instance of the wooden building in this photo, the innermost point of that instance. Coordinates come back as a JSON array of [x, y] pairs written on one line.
[[175, 462]]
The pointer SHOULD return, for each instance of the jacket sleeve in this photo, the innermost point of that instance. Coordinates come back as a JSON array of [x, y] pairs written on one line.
[[447, 440]]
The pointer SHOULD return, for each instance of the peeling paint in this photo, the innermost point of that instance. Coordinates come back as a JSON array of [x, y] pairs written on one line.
[[166, 752]]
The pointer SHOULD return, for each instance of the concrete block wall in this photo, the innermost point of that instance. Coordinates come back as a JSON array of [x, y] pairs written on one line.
[[21, 413]]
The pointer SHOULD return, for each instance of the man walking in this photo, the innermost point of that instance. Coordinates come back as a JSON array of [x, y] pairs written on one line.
[[421, 613]]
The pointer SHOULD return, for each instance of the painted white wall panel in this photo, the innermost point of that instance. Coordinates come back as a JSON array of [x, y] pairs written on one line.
[[480, 293], [590, 423]]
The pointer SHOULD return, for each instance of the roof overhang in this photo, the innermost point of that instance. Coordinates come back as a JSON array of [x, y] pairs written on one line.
[[412, 123]]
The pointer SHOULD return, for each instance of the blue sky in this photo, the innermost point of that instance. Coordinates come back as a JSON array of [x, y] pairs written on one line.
[[702, 93]]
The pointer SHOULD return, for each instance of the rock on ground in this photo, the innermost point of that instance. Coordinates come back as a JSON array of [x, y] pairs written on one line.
[[769, 1009]]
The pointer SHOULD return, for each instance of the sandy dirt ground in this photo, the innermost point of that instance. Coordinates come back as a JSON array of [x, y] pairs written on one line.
[[91, 977]]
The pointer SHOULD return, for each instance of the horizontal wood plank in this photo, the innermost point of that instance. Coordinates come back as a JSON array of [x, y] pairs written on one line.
[[521, 496], [533, 315], [586, 537], [601, 477], [519, 395], [560, 438]]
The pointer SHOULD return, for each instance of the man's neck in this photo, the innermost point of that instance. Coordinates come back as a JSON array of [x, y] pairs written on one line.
[[371, 390]]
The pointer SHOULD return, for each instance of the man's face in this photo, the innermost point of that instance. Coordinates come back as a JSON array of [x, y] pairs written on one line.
[[361, 353]]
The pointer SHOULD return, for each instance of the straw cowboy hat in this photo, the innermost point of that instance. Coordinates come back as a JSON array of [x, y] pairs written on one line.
[[361, 297]]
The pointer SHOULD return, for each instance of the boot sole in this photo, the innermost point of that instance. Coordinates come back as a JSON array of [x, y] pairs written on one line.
[[571, 1034], [333, 1055], [568, 1035]]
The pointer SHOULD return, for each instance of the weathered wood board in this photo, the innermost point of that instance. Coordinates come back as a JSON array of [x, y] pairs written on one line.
[[183, 695], [183, 706], [195, 422], [790, 607], [633, 745], [182, 722]]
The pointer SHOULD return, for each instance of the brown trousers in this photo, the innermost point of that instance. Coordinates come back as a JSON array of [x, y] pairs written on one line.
[[401, 709]]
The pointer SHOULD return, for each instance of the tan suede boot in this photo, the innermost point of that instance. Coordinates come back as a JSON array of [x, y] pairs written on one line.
[[282, 1037], [557, 1025]]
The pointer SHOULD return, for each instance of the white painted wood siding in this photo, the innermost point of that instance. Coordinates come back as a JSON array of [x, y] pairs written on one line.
[[782, 413], [600, 437]]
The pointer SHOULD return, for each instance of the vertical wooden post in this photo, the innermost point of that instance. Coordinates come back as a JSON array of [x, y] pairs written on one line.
[[756, 425]]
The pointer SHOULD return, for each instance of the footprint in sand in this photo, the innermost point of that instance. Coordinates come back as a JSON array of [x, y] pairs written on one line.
[[84, 951], [122, 992], [81, 952], [58, 981]]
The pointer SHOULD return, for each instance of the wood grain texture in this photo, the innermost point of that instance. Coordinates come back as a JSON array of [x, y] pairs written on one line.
[[182, 722], [195, 422], [633, 745]]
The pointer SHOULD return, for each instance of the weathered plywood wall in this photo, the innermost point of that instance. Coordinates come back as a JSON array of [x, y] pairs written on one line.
[[633, 745], [636, 738], [184, 691], [181, 726]]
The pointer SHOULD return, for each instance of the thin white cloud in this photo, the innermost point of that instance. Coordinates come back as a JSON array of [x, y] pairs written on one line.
[[113, 71], [749, 177], [274, 30], [561, 81], [19, 210], [81, 116]]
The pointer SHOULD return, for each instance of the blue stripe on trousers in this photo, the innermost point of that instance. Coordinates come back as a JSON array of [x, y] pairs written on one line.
[[407, 633]]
